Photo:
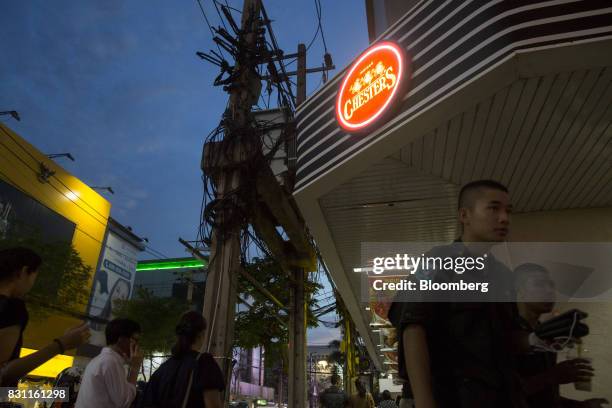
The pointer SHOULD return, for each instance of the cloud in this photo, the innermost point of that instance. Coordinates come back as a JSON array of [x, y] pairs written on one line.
[[322, 335]]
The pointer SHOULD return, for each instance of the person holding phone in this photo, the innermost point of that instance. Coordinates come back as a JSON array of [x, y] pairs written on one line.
[[105, 383]]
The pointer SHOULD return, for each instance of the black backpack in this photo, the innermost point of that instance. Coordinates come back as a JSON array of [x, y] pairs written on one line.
[[169, 384]]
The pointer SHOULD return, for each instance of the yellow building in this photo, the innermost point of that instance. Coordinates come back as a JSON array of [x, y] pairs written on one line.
[[28, 176]]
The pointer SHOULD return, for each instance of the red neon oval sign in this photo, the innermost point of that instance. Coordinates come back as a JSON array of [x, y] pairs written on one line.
[[371, 86]]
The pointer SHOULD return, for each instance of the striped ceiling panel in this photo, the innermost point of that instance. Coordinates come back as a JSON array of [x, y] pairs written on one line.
[[549, 139]]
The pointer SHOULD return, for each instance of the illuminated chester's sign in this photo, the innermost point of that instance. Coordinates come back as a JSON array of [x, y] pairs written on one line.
[[371, 86]]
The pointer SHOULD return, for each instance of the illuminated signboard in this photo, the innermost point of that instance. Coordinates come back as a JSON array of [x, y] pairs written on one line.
[[371, 86]]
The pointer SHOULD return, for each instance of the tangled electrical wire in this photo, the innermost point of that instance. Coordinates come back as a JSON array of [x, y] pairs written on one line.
[[240, 149]]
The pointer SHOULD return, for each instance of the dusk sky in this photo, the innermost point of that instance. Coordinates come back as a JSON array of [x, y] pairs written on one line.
[[118, 85]]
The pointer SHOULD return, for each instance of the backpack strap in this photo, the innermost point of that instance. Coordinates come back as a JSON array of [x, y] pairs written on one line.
[[190, 382]]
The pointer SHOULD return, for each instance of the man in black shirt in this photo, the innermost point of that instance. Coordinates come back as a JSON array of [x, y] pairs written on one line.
[[333, 397], [540, 371], [459, 354]]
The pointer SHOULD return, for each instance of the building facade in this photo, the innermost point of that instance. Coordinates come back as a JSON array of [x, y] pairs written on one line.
[[512, 91]]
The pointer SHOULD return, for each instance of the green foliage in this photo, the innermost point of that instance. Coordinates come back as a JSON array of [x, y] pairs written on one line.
[[62, 282], [157, 317], [265, 324], [335, 344]]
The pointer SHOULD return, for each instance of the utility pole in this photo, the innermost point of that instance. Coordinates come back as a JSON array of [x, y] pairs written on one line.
[[297, 317], [262, 201], [221, 161], [301, 75]]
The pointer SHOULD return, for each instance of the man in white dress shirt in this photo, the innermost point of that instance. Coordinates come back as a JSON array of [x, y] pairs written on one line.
[[105, 383]]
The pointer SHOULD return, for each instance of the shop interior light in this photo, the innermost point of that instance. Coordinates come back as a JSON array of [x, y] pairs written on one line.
[[388, 349], [381, 325]]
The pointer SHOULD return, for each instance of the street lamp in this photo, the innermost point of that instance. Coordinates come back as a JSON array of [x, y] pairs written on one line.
[[109, 189], [13, 113], [57, 155]]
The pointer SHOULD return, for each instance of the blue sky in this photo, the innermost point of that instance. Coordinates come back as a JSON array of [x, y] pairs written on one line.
[[117, 84]]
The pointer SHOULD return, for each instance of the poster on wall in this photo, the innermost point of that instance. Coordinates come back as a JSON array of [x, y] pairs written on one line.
[[25, 222], [114, 280]]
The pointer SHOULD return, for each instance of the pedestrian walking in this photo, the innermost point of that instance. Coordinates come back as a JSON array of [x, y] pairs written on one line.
[[541, 373], [18, 272], [190, 378], [479, 370], [362, 399], [333, 397], [386, 400], [105, 383]]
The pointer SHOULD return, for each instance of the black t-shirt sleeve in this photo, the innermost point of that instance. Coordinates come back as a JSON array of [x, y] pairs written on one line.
[[13, 313], [403, 314], [211, 377]]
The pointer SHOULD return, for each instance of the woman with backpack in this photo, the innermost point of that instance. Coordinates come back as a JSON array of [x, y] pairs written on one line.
[[190, 378]]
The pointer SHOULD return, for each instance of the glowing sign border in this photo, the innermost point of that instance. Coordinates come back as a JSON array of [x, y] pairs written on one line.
[[403, 64]]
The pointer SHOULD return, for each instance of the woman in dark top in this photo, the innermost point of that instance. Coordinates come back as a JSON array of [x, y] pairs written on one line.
[[387, 401], [188, 371], [18, 272]]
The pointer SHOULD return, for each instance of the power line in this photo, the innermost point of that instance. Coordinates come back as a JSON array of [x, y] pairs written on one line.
[[212, 32], [57, 189], [318, 9], [219, 14], [156, 255], [103, 245], [36, 171], [155, 250]]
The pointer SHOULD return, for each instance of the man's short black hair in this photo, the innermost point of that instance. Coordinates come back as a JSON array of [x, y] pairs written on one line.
[[117, 328], [335, 379], [12, 260], [467, 194]]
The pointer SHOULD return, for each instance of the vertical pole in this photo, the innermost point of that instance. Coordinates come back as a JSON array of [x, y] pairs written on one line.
[[301, 74], [297, 301], [314, 366], [190, 288], [280, 385], [220, 295], [297, 342]]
